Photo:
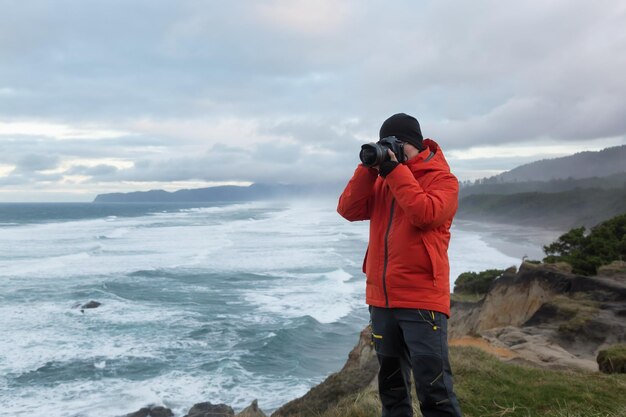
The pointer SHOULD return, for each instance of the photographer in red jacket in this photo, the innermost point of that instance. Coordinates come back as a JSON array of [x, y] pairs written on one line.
[[404, 187]]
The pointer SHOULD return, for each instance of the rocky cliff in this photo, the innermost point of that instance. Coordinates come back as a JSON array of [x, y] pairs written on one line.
[[545, 315]]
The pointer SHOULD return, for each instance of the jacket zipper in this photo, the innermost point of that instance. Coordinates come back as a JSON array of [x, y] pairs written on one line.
[[387, 252]]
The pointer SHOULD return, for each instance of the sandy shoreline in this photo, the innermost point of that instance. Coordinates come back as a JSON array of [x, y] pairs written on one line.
[[512, 240]]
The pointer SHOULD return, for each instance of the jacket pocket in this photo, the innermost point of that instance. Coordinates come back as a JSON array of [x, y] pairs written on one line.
[[433, 257]]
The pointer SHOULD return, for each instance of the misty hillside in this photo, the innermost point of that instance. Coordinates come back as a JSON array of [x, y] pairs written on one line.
[[561, 211], [603, 163], [578, 190]]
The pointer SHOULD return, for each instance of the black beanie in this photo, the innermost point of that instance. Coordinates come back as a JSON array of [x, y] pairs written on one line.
[[404, 127]]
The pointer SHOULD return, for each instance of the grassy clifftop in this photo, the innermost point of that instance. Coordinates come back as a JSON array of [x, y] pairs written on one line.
[[488, 387]]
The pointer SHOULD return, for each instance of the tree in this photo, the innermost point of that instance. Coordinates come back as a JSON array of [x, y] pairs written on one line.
[[604, 244]]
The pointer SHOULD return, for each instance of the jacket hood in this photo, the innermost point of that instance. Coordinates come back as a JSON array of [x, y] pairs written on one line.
[[421, 163]]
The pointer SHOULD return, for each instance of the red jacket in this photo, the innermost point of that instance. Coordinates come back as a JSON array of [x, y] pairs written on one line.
[[410, 213]]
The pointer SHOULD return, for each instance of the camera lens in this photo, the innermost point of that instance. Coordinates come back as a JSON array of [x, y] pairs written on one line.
[[368, 156]]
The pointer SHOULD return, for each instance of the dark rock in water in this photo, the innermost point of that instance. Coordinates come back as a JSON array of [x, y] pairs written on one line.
[[207, 409], [92, 304], [252, 410], [152, 411]]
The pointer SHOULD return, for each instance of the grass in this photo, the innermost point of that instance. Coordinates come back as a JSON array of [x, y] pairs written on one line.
[[579, 308], [613, 269], [488, 387]]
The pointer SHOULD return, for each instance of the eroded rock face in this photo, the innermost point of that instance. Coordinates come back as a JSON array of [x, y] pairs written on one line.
[[515, 297], [547, 316], [463, 318]]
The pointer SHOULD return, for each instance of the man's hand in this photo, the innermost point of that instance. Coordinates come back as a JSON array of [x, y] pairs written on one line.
[[392, 156], [386, 167]]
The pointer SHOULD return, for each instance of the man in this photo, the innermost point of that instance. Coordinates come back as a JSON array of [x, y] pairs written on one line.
[[410, 207]]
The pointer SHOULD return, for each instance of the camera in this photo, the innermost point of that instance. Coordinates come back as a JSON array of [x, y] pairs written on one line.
[[373, 154]]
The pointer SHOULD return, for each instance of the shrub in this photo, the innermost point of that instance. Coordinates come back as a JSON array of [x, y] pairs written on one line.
[[613, 359], [476, 282]]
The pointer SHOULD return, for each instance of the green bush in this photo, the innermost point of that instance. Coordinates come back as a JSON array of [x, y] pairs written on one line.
[[586, 253], [613, 359], [476, 282]]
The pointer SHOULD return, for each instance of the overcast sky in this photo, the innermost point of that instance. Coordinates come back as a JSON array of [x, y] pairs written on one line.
[[107, 96]]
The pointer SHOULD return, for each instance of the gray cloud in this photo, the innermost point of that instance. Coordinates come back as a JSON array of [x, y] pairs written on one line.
[[293, 87], [15, 149], [37, 162], [94, 171], [263, 163]]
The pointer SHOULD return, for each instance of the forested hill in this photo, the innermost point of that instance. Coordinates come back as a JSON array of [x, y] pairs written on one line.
[[603, 163], [578, 190], [614, 181]]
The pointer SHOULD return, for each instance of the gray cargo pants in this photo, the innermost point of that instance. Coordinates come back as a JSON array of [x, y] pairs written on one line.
[[408, 339]]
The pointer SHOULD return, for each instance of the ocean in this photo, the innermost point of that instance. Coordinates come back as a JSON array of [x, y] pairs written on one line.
[[200, 302]]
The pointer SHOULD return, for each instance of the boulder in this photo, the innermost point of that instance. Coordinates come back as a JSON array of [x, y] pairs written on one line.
[[206, 409], [142, 412], [159, 411], [152, 411]]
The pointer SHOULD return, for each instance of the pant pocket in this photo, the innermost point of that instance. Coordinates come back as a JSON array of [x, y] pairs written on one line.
[[430, 383]]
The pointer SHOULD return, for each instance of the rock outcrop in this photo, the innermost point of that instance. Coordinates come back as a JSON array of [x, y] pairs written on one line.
[[359, 371], [546, 315]]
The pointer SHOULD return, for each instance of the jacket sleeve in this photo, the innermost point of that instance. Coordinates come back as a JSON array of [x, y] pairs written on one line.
[[426, 208], [355, 202]]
